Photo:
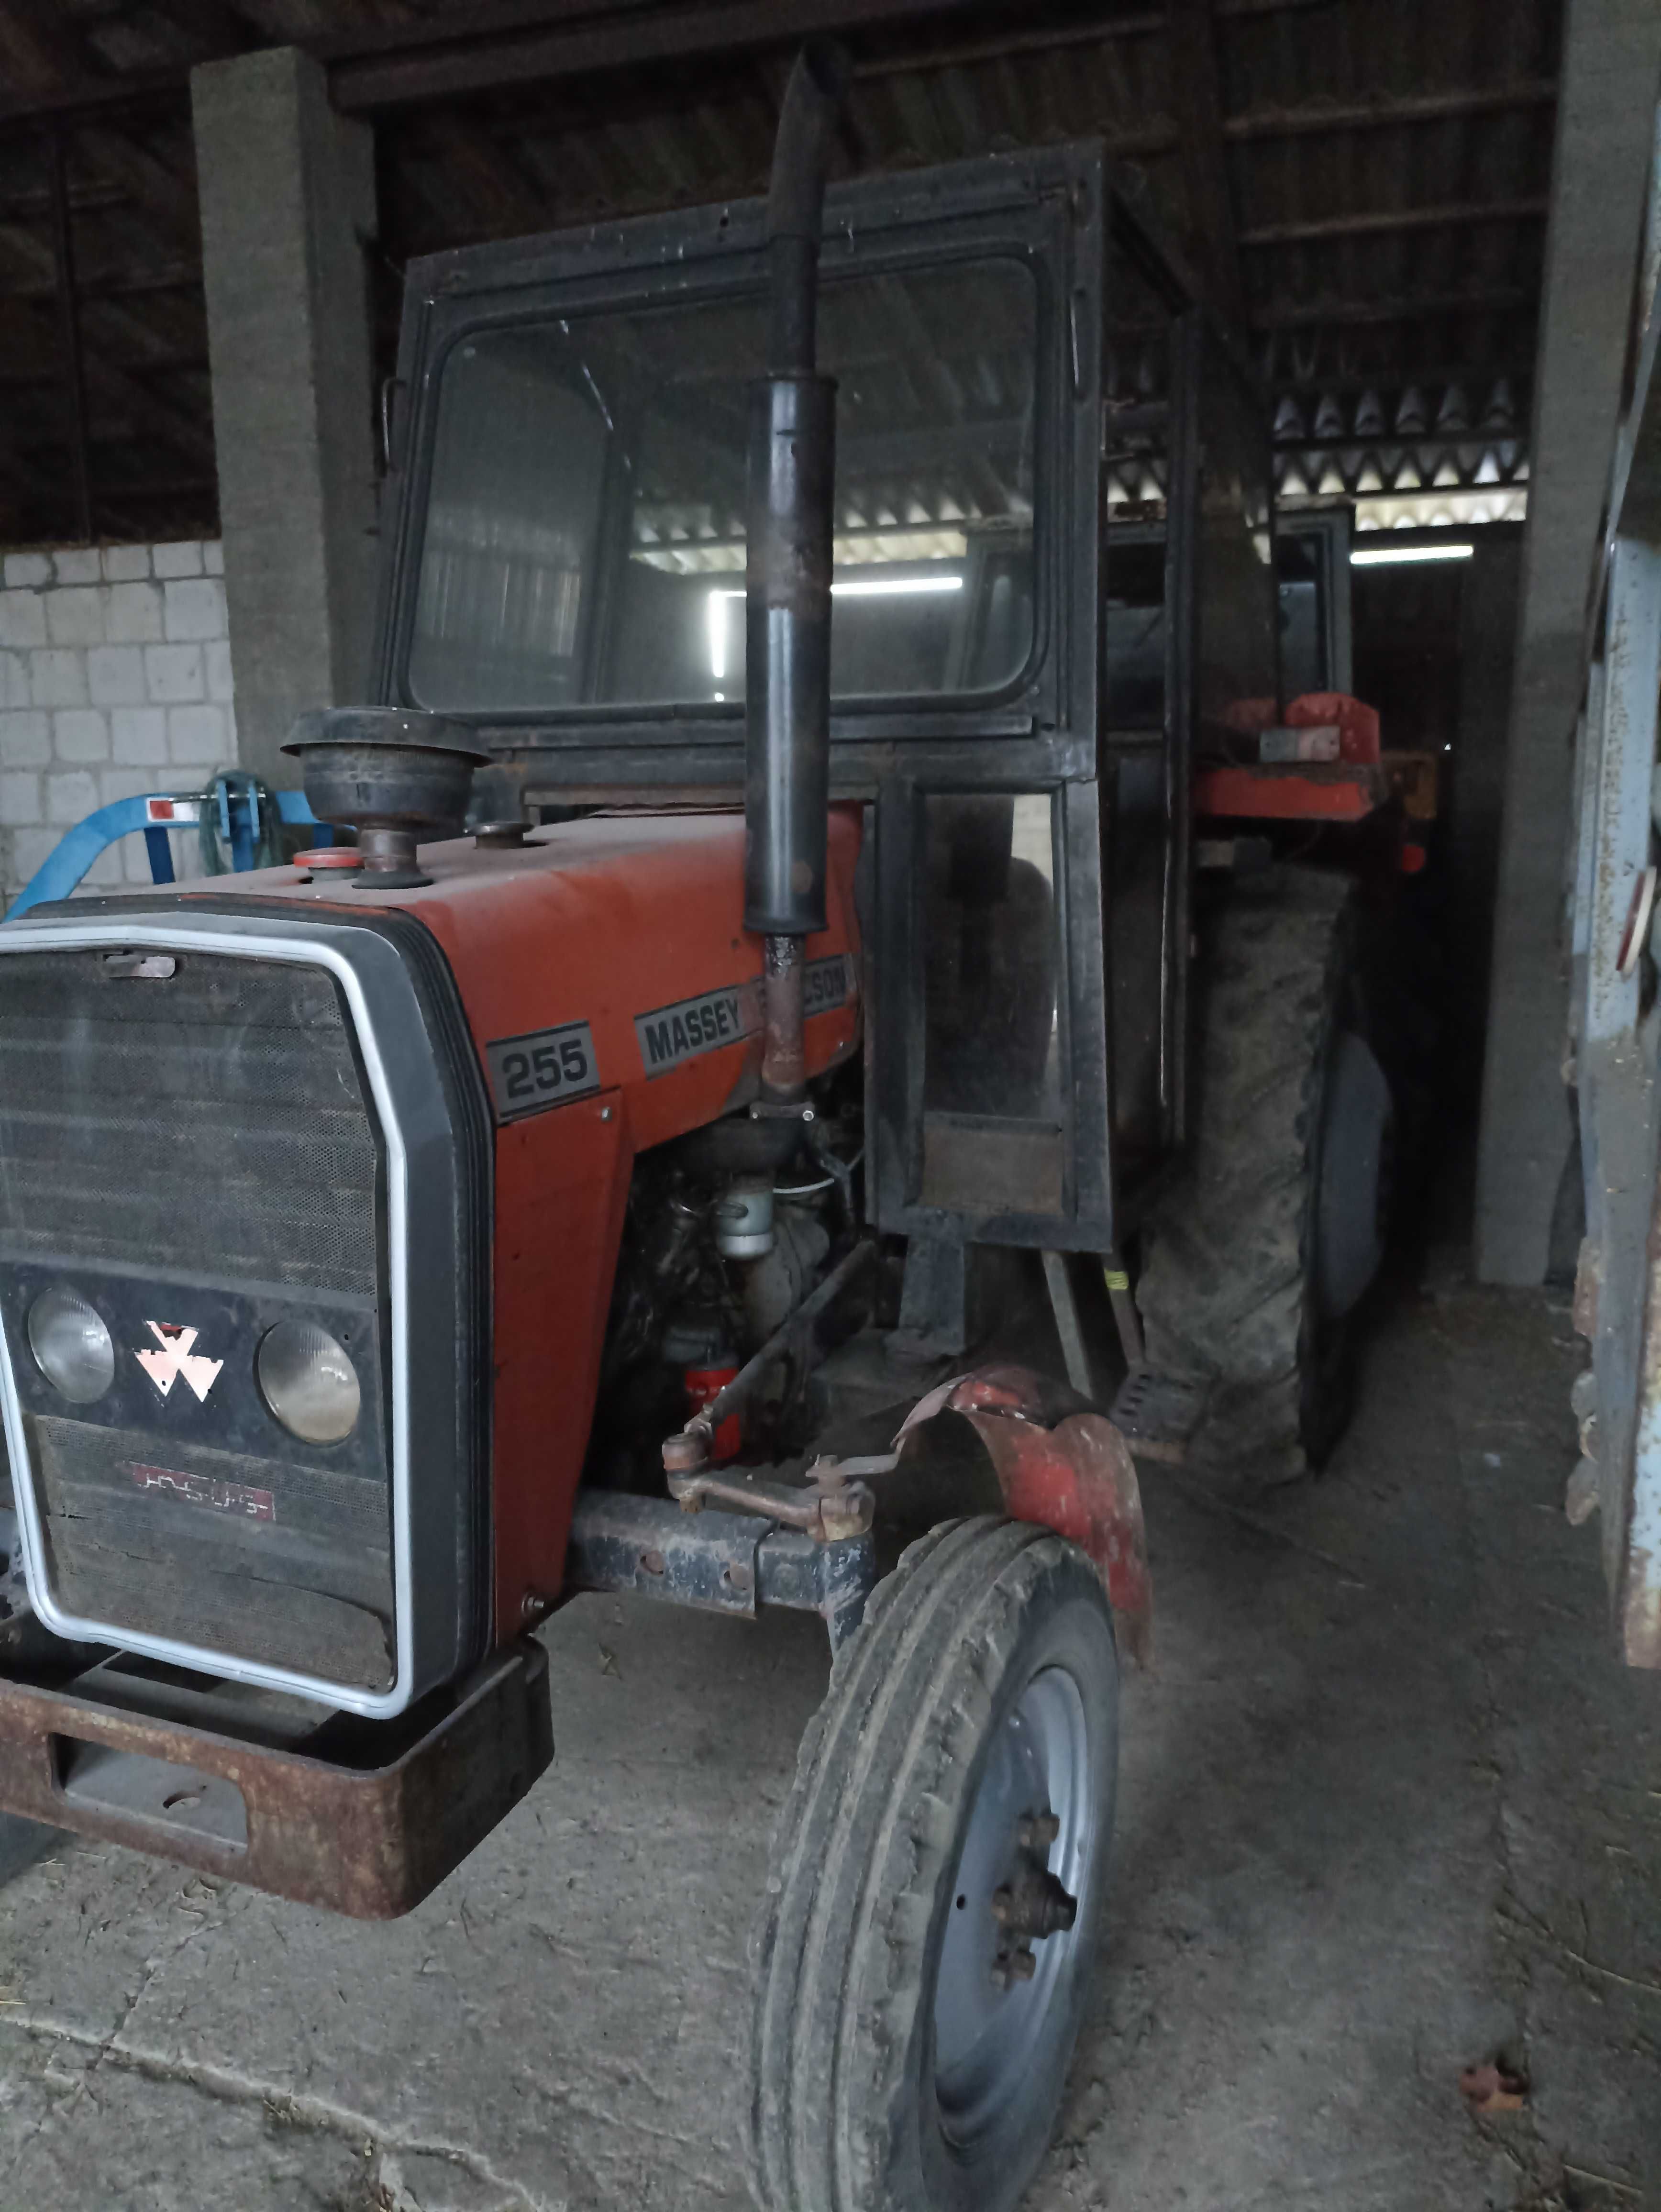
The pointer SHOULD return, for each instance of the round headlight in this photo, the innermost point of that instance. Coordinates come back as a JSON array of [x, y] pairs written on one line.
[[310, 1382], [71, 1346]]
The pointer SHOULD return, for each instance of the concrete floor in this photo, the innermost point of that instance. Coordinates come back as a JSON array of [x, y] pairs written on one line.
[[1389, 1805]]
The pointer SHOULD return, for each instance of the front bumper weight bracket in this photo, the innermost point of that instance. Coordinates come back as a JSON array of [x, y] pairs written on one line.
[[367, 1840]]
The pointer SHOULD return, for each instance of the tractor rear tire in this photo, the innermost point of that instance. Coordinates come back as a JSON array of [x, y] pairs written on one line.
[[898, 2062], [1228, 1292]]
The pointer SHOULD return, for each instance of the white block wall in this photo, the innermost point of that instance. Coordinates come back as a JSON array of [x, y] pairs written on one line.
[[115, 678]]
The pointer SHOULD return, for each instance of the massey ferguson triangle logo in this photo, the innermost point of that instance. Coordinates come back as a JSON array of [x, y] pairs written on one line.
[[175, 1358]]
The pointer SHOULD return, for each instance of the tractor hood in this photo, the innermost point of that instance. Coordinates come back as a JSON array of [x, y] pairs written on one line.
[[603, 955]]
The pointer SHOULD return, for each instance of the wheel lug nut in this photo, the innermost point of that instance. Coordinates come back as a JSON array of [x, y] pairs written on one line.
[[1002, 1905], [1040, 1828], [1016, 1965]]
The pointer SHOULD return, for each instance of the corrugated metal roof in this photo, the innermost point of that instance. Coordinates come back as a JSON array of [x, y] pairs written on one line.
[[1370, 180]]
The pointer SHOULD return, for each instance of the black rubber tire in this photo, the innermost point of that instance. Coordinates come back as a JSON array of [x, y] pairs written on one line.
[[843, 2113], [1228, 1288]]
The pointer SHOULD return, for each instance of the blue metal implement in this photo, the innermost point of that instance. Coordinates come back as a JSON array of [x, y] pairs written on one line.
[[236, 804]]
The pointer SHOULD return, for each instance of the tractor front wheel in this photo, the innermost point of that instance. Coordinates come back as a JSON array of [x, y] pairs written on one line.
[[934, 1903]]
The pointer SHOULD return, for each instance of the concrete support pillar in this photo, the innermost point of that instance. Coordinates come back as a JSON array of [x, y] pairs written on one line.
[[1605, 134], [1473, 808], [287, 189]]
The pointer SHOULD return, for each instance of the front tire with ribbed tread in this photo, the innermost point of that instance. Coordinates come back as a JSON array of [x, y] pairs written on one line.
[[844, 2113]]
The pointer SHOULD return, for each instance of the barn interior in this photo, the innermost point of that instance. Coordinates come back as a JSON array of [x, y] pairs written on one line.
[[1388, 1861]]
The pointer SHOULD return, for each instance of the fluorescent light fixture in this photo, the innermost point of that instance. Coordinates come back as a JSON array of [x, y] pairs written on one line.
[[715, 618], [853, 587], [874, 587], [1390, 556]]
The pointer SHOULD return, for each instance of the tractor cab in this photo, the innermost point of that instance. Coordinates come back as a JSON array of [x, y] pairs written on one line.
[[1046, 455]]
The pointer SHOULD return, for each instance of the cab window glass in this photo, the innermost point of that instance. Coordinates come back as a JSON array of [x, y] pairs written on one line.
[[584, 539]]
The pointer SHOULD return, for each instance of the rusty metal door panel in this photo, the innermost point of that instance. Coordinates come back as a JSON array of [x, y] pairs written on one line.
[[1617, 1062], [1615, 1058]]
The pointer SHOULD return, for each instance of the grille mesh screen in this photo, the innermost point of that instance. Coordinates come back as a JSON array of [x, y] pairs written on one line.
[[214, 1119], [290, 1566]]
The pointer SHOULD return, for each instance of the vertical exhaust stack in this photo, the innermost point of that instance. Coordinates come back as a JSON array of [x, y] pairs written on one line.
[[791, 471]]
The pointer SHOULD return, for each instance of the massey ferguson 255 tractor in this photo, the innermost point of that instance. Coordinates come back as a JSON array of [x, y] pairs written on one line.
[[769, 913]]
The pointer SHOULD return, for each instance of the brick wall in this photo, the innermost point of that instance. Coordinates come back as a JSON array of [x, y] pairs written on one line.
[[115, 678]]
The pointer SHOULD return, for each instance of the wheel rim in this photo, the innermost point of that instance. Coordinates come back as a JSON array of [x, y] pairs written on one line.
[[988, 2029], [1353, 1192]]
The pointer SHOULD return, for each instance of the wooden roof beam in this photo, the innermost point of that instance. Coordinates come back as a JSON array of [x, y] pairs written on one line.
[[488, 176], [161, 191], [39, 46], [211, 29], [1389, 112], [181, 427], [1381, 221], [22, 462], [1196, 100], [483, 53], [34, 205], [36, 377], [1394, 308], [112, 284], [523, 40], [1477, 377]]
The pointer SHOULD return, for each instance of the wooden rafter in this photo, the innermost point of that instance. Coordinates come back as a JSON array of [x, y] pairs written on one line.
[[1196, 100], [68, 322], [127, 283], [162, 413], [39, 47], [487, 175], [641, 101], [1391, 307], [1378, 221], [168, 198], [1388, 111], [209, 30]]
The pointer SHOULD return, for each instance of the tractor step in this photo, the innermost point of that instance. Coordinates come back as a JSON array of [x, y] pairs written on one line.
[[1156, 1415]]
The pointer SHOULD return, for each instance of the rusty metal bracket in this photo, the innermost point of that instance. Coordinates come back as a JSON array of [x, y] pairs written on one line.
[[731, 1563], [828, 1511], [366, 1840]]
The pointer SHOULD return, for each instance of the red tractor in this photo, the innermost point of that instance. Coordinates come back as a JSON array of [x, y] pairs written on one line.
[[768, 920]]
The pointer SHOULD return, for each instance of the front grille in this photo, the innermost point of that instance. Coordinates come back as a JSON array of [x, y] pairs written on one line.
[[213, 1116], [288, 1566], [197, 1149]]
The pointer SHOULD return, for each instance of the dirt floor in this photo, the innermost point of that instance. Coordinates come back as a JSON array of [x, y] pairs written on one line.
[[1390, 1808]]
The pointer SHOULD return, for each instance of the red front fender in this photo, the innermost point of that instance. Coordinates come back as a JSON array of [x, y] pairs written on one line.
[[1066, 1469]]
